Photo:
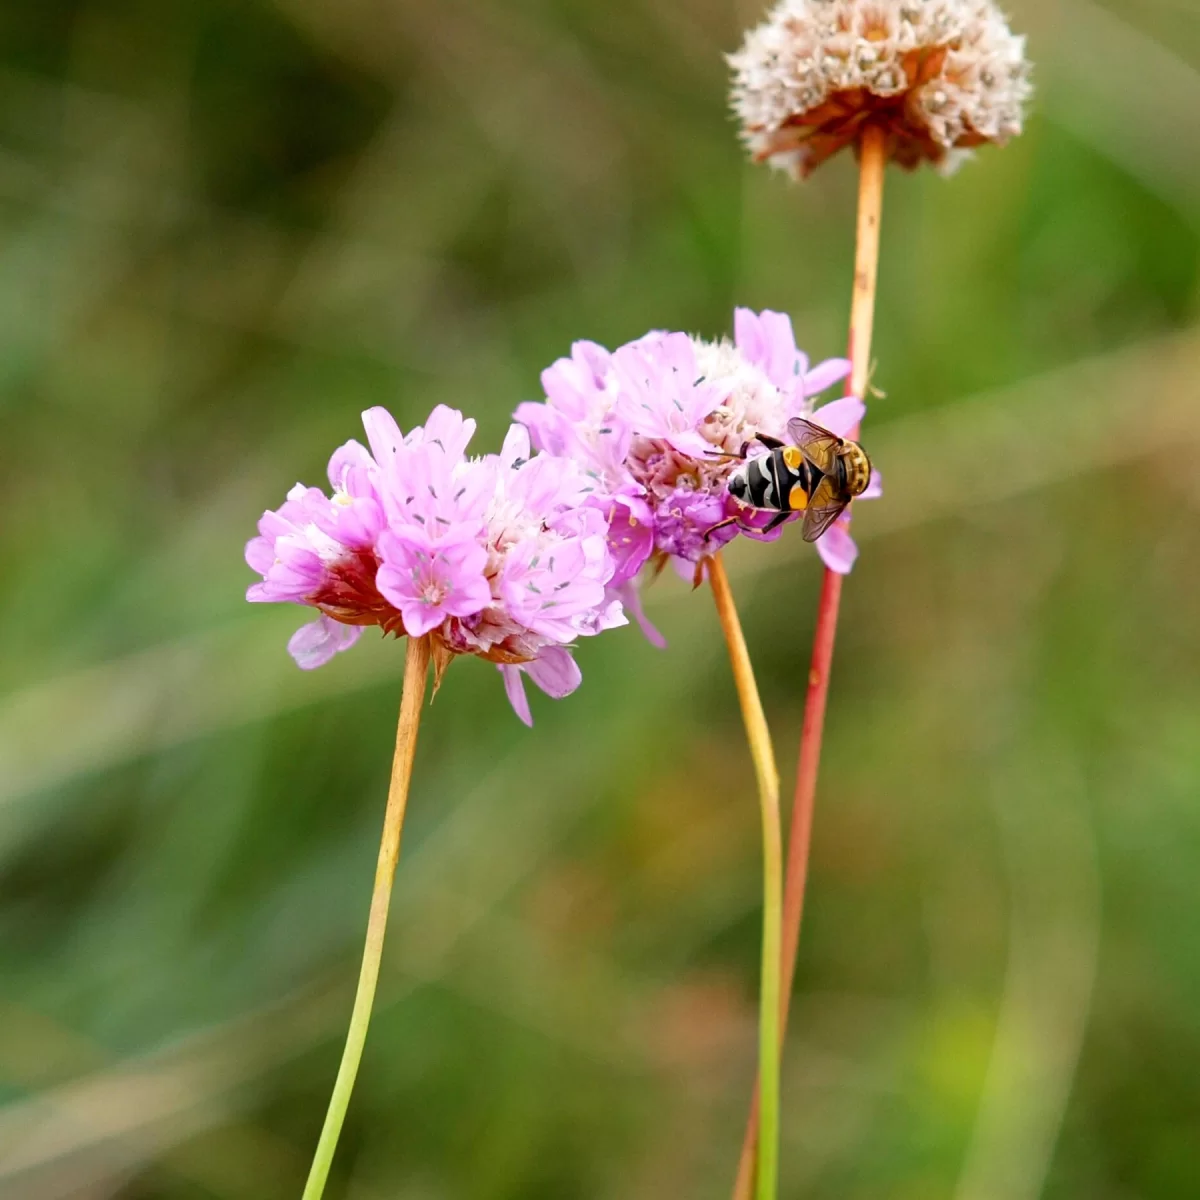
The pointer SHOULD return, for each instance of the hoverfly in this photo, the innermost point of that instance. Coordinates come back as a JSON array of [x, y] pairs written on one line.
[[818, 475]]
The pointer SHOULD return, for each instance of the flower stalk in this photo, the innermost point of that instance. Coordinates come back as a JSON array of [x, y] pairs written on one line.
[[767, 776], [872, 161], [416, 666]]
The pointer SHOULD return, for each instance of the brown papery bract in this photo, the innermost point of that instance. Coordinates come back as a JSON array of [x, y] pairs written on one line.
[[938, 77]]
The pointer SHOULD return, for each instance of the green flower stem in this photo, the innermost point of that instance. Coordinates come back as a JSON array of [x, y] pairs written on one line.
[[759, 739], [416, 666]]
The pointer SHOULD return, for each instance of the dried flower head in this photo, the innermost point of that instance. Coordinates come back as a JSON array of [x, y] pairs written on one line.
[[658, 423], [939, 76], [504, 557]]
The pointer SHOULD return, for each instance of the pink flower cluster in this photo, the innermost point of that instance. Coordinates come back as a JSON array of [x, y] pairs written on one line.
[[661, 423], [513, 557], [504, 556]]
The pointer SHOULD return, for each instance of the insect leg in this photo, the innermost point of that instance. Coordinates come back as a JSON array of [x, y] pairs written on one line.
[[770, 442], [775, 522], [721, 525], [741, 455]]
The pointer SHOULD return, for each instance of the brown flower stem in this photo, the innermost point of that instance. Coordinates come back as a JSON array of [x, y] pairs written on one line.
[[872, 161], [761, 752], [416, 667]]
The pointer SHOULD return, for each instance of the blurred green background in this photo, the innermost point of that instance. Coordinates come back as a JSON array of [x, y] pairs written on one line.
[[228, 226]]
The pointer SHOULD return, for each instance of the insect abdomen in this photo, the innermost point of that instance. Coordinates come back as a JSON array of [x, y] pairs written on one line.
[[856, 469], [762, 482], [798, 484]]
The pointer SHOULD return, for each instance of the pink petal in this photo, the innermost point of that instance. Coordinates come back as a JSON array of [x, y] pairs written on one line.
[[781, 343], [685, 568], [360, 524], [747, 335], [516, 446], [447, 428], [418, 616], [837, 549], [314, 644], [766, 339], [688, 442], [555, 672], [541, 421], [825, 375], [630, 537], [631, 597], [260, 554], [514, 686], [352, 456], [383, 434], [840, 416]]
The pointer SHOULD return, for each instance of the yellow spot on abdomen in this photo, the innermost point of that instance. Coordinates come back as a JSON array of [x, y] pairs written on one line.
[[797, 498]]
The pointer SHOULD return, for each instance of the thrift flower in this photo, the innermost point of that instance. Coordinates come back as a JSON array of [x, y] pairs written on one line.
[[430, 580], [505, 557], [660, 424], [940, 76]]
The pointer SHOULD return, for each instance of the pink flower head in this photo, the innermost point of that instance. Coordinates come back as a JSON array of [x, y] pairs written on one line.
[[662, 422], [505, 557]]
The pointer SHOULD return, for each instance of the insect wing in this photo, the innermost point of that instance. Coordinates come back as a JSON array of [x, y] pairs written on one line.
[[817, 445], [824, 507]]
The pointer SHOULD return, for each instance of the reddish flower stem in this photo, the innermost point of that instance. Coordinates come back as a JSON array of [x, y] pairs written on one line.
[[872, 161]]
